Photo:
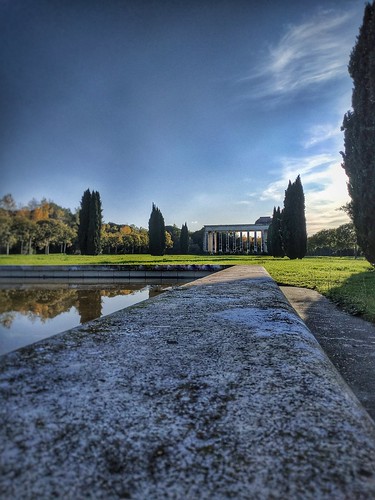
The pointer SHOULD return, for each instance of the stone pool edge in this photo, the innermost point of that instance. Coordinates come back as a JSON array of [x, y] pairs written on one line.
[[215, 389]]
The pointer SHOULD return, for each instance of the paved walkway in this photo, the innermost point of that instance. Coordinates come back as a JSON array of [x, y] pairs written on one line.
[[348, 341]]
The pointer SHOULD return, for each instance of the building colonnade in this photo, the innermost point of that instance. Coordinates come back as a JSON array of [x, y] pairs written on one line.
[[237, 238]]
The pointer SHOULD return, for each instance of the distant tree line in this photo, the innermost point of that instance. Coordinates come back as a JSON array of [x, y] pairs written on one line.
[[287, 233], [44, 226], [35, 227], [339, 241]]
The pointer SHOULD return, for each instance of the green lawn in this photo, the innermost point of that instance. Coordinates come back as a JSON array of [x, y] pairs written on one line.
[[349, 282]]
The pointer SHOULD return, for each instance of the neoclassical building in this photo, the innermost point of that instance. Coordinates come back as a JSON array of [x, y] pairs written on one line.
[[237, 238]]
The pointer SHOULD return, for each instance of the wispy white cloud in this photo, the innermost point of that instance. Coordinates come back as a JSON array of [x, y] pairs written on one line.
[[322, 133], [308, 54], [311, 168], [324, 183], [245, 202]]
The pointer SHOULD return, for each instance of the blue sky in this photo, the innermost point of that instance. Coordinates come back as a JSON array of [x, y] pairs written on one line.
[[206, 108]]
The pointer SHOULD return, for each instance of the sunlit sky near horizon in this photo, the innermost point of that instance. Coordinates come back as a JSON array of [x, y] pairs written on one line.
[[206, 108]]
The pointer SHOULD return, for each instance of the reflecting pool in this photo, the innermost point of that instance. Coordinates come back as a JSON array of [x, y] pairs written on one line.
[[29, 313]]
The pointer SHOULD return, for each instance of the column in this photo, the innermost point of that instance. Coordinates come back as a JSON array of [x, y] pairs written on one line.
[[255, 242], [210, 242], [265, 240], [215, 242], [248, 242], [241, 242], [227, 241]]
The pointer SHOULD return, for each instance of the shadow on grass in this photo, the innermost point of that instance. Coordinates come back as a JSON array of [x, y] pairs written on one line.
[[356, 295]]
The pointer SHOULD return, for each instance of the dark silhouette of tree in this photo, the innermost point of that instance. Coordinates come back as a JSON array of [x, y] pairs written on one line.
[[197, 238], [89, 305], [84, 217], [156, 232], [184, 239], [274, 236], [95, 225], [90, 223], [359, 135], [293, 221]]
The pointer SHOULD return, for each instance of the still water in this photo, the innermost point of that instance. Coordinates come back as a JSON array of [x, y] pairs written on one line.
[[29, 313]]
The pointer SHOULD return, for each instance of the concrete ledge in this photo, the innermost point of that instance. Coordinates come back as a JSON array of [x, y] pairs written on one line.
[[105, 272], [212, 390]]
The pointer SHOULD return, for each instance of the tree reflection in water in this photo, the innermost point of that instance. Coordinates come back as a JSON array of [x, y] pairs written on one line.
[[29, 313], [89, 304], [48, 303]]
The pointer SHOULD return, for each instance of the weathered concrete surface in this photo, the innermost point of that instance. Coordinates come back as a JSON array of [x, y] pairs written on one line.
[[348, 341], [213, 390]]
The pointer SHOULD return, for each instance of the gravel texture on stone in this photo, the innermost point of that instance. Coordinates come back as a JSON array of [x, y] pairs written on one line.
[[215, 389]]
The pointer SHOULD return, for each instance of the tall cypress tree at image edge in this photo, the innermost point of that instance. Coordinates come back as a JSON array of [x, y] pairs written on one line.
[[359, 136], [293, 221], [156, 232]]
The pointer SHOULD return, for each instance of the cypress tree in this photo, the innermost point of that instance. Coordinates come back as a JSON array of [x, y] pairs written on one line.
[[287, 221], [90, 223], [300, 229], [276, 239], [98, 224], [359, 135], [156, 232], [95, 225], [184, 239], [270, 234], [293, 221], [84, 221]]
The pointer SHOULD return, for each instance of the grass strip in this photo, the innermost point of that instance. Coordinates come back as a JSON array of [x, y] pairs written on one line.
[[348, 282]]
